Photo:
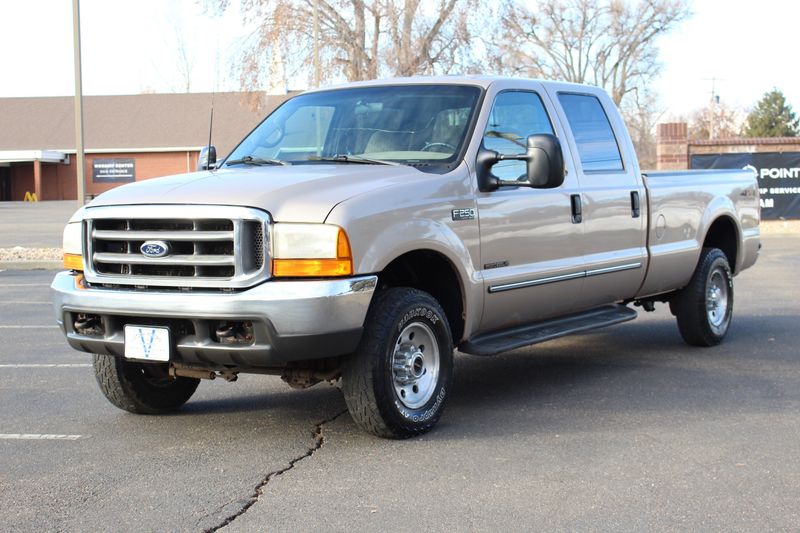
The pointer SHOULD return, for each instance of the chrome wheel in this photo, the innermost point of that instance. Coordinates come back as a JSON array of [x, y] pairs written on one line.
[[717, 299], [415, 365]]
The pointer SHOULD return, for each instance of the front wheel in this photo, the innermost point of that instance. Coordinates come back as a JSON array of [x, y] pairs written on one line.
[[396, 383], [142, 388], [705, 306]]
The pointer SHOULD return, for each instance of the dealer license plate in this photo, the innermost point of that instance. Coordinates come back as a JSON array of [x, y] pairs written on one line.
[[147, 343]]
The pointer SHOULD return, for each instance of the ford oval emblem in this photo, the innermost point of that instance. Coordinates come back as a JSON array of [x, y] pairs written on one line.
[[154, 248]]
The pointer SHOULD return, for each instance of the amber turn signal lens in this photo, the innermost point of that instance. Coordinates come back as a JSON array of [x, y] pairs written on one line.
[[73, 262], [318, 268], [311, 268]]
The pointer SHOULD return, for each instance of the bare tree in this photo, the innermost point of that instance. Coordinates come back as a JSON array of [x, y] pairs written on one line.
[[359, 39], [608, 43], [717, 120], [183, 59], [641, 114]]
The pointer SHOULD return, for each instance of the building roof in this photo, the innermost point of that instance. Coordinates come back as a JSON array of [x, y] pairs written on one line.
[[146, 121]]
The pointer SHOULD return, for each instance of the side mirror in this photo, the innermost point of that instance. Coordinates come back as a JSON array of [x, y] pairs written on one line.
[[544, 162], [207, 158]]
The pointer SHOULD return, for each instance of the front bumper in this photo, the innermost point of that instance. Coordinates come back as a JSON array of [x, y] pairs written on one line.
[[292, 320]]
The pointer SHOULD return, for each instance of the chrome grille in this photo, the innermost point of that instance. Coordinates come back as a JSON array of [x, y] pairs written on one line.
[[208, 246]]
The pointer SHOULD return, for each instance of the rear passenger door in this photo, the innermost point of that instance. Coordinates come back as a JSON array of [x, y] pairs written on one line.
[[612, 197]]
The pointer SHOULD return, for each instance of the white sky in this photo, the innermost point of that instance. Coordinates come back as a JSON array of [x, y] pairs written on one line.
[[129, 47]]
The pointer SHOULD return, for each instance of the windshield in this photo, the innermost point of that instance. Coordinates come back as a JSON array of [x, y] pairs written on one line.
[[405, 124]]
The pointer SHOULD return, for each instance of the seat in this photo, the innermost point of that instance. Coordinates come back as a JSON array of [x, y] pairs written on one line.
[[388, 141]]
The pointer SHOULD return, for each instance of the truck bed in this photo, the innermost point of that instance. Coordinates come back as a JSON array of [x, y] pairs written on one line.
[[681, 206]]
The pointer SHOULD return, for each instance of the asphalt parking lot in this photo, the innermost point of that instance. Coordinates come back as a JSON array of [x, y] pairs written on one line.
[[623, 429]]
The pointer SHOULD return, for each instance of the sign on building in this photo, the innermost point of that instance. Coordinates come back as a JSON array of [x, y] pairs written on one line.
[[113, 170], [778, 178]]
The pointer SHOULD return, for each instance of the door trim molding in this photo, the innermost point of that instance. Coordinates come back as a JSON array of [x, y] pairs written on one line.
[[565, 277]]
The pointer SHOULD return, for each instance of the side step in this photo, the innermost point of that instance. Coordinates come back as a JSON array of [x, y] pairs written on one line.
[[553, 328]]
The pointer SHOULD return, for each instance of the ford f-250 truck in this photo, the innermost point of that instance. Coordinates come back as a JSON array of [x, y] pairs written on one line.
[[364, 232]]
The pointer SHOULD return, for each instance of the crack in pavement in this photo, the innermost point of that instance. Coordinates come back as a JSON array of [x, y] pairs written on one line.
[[319, 440]]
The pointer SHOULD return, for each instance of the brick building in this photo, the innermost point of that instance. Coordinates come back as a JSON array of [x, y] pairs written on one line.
[[151, 134], [775, 161], [674, 149]]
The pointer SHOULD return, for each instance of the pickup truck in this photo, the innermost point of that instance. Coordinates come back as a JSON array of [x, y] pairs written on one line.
[[362, 233]]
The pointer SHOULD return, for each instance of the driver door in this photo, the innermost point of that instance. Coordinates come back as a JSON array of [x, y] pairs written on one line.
[[531, 250]]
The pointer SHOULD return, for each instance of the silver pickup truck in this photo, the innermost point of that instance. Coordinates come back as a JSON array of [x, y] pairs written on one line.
[[364, 232]]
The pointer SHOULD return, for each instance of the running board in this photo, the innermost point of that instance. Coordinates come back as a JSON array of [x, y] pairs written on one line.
[[510, 339]]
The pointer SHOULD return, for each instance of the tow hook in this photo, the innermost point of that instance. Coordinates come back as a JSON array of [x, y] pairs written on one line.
[[88, 325], [235, 333]]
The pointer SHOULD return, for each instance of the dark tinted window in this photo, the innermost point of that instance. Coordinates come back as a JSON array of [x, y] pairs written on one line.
[[515, 116], [597, 145]]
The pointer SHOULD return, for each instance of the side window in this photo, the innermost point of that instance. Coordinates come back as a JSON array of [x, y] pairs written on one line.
[[515, 115], [597, 145]]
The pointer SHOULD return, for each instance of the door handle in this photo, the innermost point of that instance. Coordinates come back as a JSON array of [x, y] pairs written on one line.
[[635, 205], [577, 211]]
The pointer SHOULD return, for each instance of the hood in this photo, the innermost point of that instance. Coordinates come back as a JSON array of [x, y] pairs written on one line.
[[301, 193]]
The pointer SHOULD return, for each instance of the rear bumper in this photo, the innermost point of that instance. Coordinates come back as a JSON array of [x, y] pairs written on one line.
[[292, 320]]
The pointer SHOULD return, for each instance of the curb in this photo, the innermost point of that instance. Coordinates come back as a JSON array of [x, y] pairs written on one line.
[[31, 265]]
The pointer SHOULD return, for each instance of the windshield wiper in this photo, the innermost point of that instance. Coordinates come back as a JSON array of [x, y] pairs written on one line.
[[250, 160], [344, 158]]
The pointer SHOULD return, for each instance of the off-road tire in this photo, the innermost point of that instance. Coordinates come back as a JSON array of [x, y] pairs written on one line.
[[690, 304], [142, 388], [368, 375]]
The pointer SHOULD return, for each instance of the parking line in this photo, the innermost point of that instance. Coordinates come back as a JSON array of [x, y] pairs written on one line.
[[24, 285], [26, 327], [38, 436], [22, 302], [47, 365]]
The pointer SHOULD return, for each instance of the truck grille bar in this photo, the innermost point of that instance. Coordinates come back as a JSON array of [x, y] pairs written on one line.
[[204, 246]]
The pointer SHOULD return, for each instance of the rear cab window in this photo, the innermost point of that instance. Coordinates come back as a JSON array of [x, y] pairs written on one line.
[[595, 140]]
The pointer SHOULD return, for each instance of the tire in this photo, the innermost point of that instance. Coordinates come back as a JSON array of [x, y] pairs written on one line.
[[142, 388], [396, 383], [704, 307]]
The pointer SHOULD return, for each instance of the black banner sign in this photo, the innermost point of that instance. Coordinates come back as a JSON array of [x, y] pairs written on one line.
[[778, 178], [113, 171]]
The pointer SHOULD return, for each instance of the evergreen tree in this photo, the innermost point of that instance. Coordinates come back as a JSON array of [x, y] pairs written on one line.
[[772, 117]]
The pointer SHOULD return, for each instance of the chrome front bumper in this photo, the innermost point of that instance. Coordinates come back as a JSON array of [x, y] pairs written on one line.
[[293, 320]]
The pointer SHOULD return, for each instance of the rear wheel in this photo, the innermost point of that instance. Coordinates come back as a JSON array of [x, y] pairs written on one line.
[[396, 383], [704, 307], [142, 388]]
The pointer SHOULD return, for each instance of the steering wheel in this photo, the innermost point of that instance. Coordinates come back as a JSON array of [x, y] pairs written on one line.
[[433, 145]]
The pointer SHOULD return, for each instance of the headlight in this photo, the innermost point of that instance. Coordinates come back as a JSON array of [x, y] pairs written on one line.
[[310, 250], [72, 246]]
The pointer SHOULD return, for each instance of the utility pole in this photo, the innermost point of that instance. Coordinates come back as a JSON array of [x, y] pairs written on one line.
[[713, 103], [317, 73], [76, 47]]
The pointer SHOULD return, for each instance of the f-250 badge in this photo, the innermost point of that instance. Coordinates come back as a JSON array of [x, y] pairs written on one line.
[[463, 214]]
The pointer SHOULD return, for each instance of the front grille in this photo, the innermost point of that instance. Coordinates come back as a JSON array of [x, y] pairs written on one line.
[[206, 246]]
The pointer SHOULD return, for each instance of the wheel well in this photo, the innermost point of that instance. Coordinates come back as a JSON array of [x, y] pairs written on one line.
[[722, 234], [433, 273]]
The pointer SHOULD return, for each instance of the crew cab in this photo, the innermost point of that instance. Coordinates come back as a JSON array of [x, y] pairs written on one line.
[[362, 233]]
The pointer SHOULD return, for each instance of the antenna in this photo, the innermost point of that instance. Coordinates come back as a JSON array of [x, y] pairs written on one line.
[[210, 128], [211, 152]]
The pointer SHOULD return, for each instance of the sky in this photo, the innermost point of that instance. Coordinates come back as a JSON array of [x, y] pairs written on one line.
[[130, 46]]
